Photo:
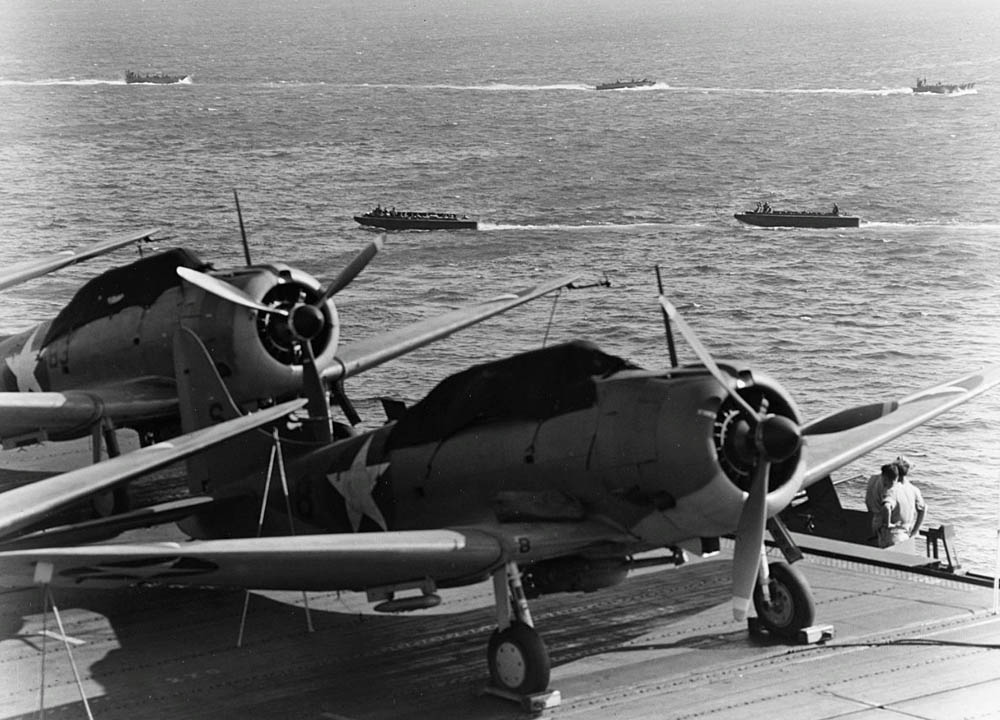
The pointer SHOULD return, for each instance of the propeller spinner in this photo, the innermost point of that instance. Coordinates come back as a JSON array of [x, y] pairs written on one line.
[[763, 439]]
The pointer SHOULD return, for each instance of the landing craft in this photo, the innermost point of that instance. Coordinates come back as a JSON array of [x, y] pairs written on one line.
[[106, 360], [546, 471]]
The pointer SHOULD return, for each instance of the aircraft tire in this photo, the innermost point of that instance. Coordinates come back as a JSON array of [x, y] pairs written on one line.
[[518, 660], [791, 608]]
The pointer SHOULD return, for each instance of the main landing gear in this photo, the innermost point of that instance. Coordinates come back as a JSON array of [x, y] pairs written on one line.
[[516, 655], [784, 604]]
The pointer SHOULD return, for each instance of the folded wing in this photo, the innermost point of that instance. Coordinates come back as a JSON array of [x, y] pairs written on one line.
[[21, 272], [365, 354], [28, 504], [825, 452]]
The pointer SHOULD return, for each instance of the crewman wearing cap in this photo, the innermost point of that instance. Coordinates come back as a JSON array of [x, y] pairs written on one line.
[[908, 514]]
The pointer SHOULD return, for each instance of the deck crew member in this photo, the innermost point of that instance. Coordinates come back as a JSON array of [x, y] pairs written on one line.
[[897, 507], [909, 510], [879, 501]]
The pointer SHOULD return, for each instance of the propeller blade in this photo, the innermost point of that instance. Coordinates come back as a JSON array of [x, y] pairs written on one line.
[[750, 541], [705, 356], [353, 268], [317, 406], [226, 291]]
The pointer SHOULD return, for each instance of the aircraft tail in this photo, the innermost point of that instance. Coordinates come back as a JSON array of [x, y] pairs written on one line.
[[232, 472]]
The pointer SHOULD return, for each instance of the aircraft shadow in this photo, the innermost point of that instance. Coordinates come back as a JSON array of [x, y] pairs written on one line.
[[172, 652]]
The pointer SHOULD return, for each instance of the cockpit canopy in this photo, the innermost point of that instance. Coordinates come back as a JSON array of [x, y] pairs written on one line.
[[137, 284], [532, 386]]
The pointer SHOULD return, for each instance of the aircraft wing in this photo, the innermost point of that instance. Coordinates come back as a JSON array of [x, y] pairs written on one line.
[[368, 353], [20, 272], [348, 561], [26, 505], [38, 415], [827, 451]]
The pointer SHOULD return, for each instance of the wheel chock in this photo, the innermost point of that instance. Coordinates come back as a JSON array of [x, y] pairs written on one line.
[[535, 703], [812, 635], [815, 634]]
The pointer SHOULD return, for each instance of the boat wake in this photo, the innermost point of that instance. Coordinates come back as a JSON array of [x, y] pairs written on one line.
[[880, 92], [915, 225], [604, 227], [874, 92], [84, 82], [487, 87], [659, 86], [63, 81], [512, 87]]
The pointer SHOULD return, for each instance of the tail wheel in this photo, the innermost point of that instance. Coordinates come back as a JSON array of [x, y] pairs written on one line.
[[518, 660], [791, 607]]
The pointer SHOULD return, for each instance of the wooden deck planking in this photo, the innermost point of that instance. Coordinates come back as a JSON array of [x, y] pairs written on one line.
[[662, 641]]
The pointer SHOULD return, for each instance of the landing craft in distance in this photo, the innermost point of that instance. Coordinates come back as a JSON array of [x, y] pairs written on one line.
[[546, 471], [106, 360]]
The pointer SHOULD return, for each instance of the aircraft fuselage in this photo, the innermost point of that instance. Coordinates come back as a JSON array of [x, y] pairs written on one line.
[[114, 340], [655, 453]]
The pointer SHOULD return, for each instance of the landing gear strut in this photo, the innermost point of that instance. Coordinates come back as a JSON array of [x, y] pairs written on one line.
[[516, 655], [117, 500]]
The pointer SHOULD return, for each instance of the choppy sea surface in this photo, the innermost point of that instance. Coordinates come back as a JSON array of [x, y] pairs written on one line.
[[317, 111]]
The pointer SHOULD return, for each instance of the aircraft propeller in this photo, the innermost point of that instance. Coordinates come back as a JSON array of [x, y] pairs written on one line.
[[772, 438], [353, 269], [299, 325]]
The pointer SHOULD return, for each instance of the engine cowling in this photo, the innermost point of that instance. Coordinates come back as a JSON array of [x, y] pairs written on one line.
[[733, 438], [265, 356]]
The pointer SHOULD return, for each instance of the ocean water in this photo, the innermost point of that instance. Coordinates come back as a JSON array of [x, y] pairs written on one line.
[[316, 111]]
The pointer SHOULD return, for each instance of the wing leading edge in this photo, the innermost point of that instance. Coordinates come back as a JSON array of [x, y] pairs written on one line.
[[348, 561], [305, 562], [21, 272], [368, 353]]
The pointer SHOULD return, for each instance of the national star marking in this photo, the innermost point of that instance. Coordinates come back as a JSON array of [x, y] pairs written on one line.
[[356, 485]]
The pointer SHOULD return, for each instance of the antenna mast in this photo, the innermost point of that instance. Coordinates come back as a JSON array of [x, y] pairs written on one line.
[[243, 232], [666, 323]]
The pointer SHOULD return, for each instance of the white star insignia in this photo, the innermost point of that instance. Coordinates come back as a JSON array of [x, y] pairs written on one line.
[[356, 485], [23, 366]]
